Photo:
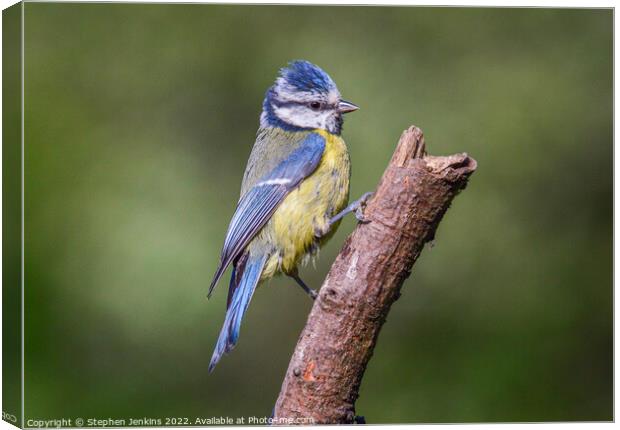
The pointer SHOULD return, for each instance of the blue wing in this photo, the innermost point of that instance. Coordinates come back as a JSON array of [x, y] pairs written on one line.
[[259, 203]]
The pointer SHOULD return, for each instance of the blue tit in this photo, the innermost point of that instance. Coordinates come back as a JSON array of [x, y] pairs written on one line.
[[294, 191]]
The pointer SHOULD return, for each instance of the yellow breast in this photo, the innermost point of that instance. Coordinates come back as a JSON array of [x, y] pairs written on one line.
[[293, 228]]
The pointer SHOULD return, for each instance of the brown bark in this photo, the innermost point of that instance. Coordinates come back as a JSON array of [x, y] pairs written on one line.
[[324, 375]]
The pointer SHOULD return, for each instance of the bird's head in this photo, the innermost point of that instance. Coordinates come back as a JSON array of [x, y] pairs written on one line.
[[304, 97]]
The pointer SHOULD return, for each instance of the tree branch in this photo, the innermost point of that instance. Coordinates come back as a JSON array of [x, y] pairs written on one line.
[[324, 375]]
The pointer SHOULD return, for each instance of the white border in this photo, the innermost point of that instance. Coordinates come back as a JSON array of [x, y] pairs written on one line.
[[475, 3]]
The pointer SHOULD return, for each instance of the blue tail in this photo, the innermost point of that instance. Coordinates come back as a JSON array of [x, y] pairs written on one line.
[[241, 296]]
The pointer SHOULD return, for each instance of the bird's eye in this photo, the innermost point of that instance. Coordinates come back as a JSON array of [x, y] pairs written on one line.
[[315, 105]]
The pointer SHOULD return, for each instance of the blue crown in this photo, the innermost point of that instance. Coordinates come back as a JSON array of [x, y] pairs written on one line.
[[305, 76]]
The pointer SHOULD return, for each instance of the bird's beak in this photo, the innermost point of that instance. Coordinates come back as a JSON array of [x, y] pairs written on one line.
[[346, 107]]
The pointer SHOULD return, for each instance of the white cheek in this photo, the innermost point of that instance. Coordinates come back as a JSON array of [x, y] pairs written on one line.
[[301, 116]]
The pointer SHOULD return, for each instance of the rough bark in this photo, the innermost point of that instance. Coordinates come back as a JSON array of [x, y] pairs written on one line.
[[324, 375]]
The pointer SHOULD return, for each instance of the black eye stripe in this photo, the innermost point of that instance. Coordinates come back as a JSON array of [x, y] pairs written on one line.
[[322, 106]]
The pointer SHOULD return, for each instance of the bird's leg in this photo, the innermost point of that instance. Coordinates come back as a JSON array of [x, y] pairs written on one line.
[[312, 293], [357, 206]]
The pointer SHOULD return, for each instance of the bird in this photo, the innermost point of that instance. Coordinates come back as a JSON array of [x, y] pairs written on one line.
[[294, 191]]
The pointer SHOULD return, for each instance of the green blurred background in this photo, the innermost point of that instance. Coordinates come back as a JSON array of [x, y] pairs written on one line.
[[140, 118]]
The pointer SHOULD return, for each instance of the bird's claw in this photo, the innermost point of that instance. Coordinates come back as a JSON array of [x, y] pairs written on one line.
[[357, 207], [359, 215], [361, 206]]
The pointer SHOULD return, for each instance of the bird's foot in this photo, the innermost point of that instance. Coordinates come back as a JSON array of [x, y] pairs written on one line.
[[309, 291], [357, 206], [312, 293], [361, 206]]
